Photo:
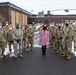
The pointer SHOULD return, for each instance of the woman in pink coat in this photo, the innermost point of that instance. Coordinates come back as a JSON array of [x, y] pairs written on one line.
[[44, 39]]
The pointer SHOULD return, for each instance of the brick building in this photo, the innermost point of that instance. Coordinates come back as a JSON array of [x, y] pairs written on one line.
[[48, 18], [13, 14]]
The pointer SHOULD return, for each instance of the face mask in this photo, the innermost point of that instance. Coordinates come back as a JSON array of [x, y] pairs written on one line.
[[44, 28], [22, 28], [0, 26], [66, 24], [7, 24], [73, 23], [10, 28], [50, 25], [30, 26], [59, 27], [17, 27]]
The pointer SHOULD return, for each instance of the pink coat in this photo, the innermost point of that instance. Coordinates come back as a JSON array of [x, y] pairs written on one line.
[[44, 37]]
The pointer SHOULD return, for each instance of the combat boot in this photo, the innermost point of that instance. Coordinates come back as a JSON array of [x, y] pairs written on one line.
[[58, 51], [54, 49], [3, 53], [69, 56], [15, 56], [27, 50], [51, 46], [31, 49], [21, 56], [63, 54]]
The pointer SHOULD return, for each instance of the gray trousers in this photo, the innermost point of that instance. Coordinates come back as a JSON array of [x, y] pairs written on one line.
[[17, 47]]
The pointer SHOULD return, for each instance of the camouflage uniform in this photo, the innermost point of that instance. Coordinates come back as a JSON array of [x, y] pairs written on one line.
[[5, 28], [26, 39], [52, 37], [74, 36], [10, 39], [2, 41], [31, 36], [54, 42], [67, 41], [59, 37], [18, 36]]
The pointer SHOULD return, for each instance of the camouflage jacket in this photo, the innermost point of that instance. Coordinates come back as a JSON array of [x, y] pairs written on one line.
[[59, 33], [10, 36], [67, 32], [1, 35], [18, 34]]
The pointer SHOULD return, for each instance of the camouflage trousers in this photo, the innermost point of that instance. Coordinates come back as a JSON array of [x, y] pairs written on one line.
[[52, 42], [31, 41], [74, 45], [59, 44], [68, 45], [18, 47], [2, 45], [74, 39], [26, 43]]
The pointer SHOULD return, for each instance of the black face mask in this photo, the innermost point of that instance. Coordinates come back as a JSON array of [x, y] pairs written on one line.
[[17, 27], [44, 28], [67, 24], [59, 27]]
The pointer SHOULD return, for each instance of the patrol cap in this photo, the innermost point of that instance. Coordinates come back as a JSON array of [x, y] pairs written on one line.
[[17, 24]]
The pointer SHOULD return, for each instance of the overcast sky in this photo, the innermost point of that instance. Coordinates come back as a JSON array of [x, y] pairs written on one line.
[[35, 6]]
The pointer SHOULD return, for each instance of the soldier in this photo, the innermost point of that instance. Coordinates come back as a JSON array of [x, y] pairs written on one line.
[[2, 39], [74, 35], [23, 28], [6, 29], [59, 37], [26, 38], [31, 35], [67, 40], [10, 38], [55, 37], [52, 37], [18, 36]]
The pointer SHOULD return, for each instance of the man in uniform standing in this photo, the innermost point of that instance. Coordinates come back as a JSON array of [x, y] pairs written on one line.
[[31, 35], [10, 38], [59, 36], [26, 38], [74, 34], [67, 40], [18, 37], [51, 31], [6, 29], [2, 39]]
